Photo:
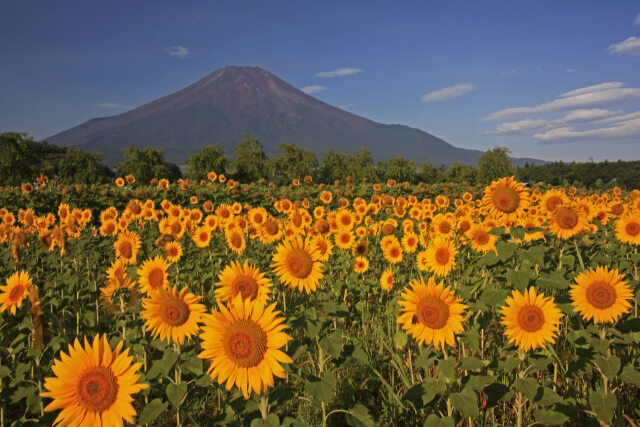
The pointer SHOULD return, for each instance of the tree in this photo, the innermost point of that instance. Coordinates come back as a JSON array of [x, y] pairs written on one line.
[[294, 162], [81, 167], [461, 173], [250, 161], [336, 165], [147, 164], [428, 173], [19, 161], [209, 159], [495, 164], [398, 168]]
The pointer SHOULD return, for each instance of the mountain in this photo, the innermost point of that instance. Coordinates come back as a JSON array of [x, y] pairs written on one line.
[[220, 107]]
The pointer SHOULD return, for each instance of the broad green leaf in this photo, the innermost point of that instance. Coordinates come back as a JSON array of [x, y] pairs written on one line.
[[447, 369], [549, 417], [400, 340], [359, 416], [492, 296], [527, 386], [630, 375], [505, 250], [466, 402], [553, 280], [435, 421], [535, 255], [610, 366], [332, 344], [519, 279], [471, 363], [152, 410], [322, 389], [271, 421], [175, 393], [604, 405]]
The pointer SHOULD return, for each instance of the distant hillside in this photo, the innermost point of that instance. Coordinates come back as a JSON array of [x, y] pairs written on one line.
[[220, 107]]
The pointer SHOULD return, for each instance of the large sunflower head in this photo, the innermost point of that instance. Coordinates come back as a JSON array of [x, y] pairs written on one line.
[[243, 342], [387, 279], [236, 240], [127, 247], [601, 294], [431, 313], [628, 229], [552, 200], [152, 274], [93, 385], [506, 198], [173, 315], [17, 288], [440, 256], [480, 238], [296, 264], [531, 319], [245, 280], [119, 294], [567, 221], [393, 253]]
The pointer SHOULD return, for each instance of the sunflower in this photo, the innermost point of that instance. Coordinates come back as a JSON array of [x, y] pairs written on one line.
[[296, 264], [173, 251], [124, 289], [93, 385], [236, 241], [323, 247], [506, 198], [172, 315], [202, 237], [127, 247], [567, 221], [17, 288], [601, 294], [270, 231], [361, 248], [243, 343], [481, 240], [552, 200], [387, 279], [440, 256], [531, 320], [393, 253], [344, 239], [360, 264], [245, 280], [627, 229], [431, 313], [410, 242], [152, 274]]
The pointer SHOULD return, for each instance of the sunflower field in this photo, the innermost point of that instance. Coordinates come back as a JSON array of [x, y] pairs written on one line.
[[227, 303]]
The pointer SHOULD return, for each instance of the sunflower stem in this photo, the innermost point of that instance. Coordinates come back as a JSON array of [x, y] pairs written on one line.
[[264, 406], [178, 379], [575, 243]]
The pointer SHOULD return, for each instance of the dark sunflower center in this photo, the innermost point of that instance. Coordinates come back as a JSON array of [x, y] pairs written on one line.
[[97, 389], [442, 256], [245, 343], [567, 218], [16, 293], [482, 238], [553, 202], [322, 246], [245, 286], [172, 251], [444, 228], [257, 218], [235, 240], [506, 199], [174, 312], [345, 220], [156, 278], [390, 279], [601, 295], [345, 238], [271, 227], [394, 252], [530, 318], [361, 249], [299, 263], [176, 227], [388, 229], [632, 229], [464, 226], [432, 312], [204, 236], [126, 250]]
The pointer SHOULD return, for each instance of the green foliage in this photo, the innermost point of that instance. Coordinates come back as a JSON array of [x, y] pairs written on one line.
[[398, 168], [461, 174], [19, 161], [250, 161], [599, 175], [338, 166], [294, 162], [209, 159], [428, 173], [147, 164], [495, 164], [81, 167]]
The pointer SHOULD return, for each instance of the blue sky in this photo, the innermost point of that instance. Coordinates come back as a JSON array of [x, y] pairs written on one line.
[[548, 79]]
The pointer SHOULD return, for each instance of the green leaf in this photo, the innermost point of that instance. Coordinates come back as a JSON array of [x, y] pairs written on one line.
[[400, 340], [509, 364], [490, 258], [435, 421], [332, 344], [466, 402], [505, 250], [604, 405], [322, 389], [517, 232], [152, 410], [630, 375], [421, 394], [520, 279], [553, 280], [568, 260], [492, 296], [471, 363], [359, 416], [4, 371], [527, 386], [176, 393], [609, 366], [447, 369], [535, 255], [496, 392], [549, 417], [271, 421], [549, 397]]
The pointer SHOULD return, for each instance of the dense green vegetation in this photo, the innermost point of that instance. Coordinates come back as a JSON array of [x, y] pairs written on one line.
[[22, 160]]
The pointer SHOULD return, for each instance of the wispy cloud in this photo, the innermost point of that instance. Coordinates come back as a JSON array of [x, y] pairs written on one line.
[[570, 70], [113, 106], [178, 51], [624, 129], [448, 92], [637, 20], [309, 90], [589, 97], [630, 46], [509, 73], [339, 72]]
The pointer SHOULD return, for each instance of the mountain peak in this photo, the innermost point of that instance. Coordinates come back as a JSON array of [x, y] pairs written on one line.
[[218, 108]]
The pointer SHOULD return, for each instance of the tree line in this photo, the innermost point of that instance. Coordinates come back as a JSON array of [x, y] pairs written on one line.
[[22, 159]]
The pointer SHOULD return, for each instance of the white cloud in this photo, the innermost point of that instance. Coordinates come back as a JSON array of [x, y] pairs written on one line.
[[178, 51], [113, 105], [623, 117], [309, 90], [586, 115], [637, 20], [448, 92], [519, 127], [629, 128], [509, 73], [570, 70], [340, 72], [591, 96], [630, 46]]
